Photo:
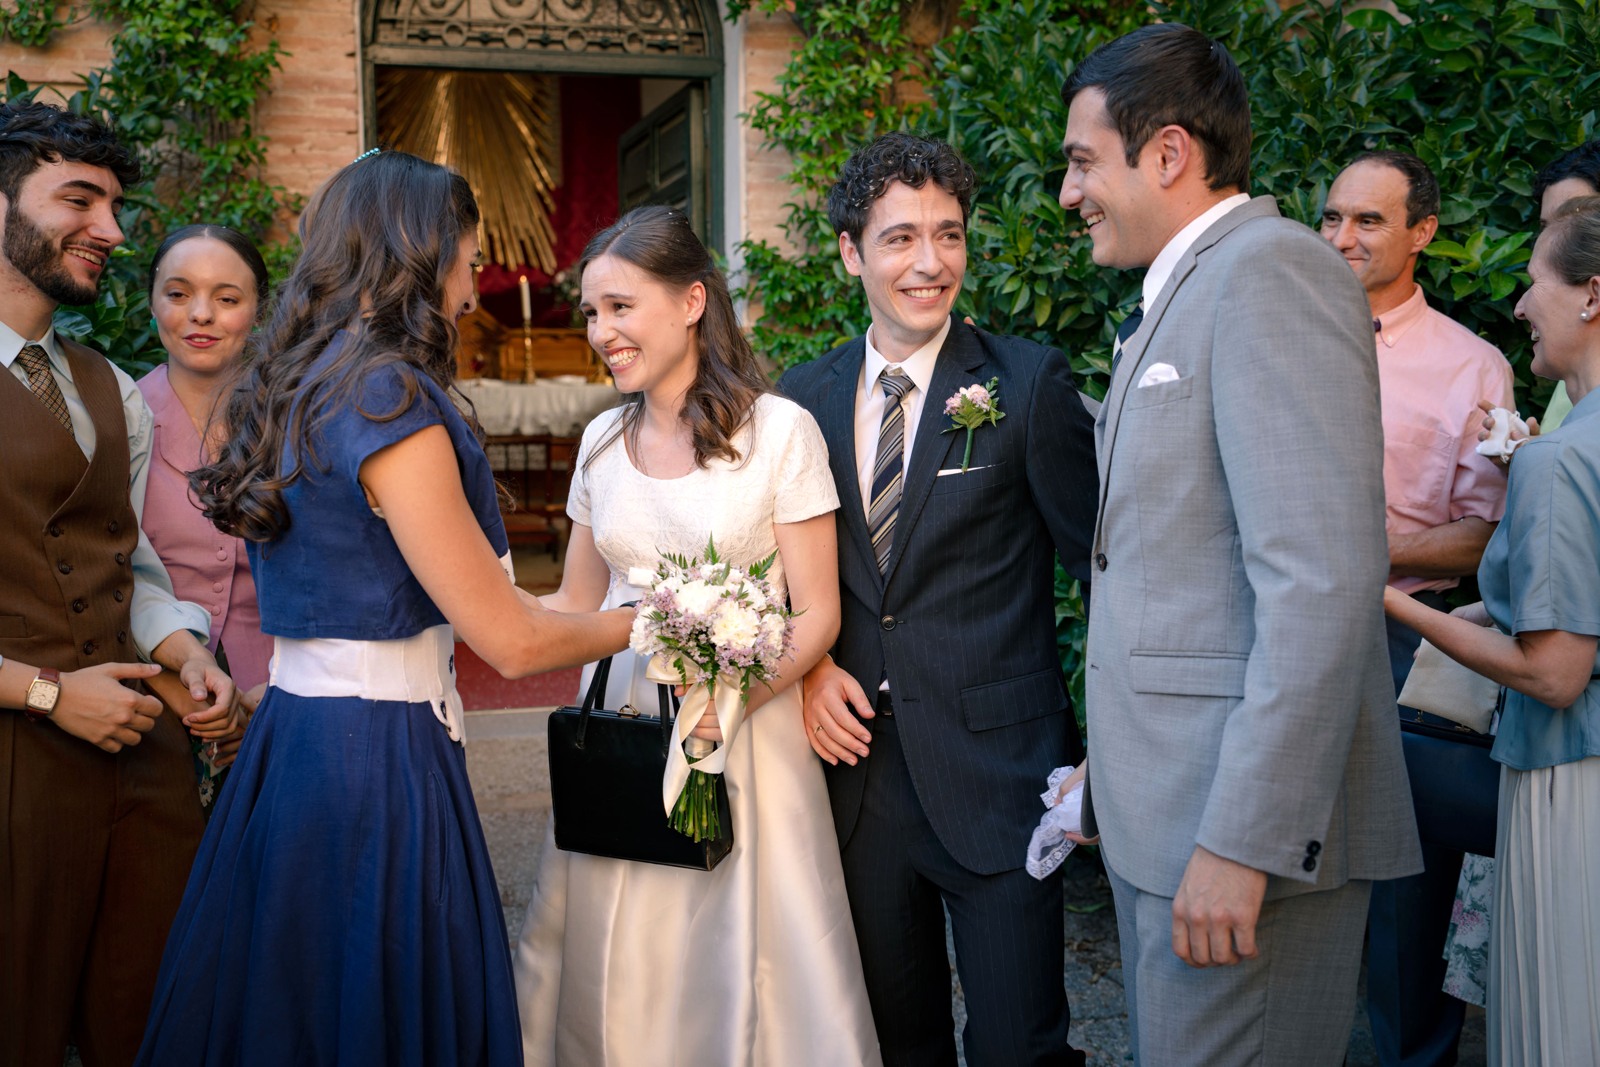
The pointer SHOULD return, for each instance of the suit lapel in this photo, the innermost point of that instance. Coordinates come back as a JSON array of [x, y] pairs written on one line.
[[836, 417], [956, 366], [1132, 364]]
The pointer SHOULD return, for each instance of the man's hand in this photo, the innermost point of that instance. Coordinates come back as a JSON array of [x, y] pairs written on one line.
[[204, 720], [98, 708], [833, 729], [197, 668], [1214, 914]]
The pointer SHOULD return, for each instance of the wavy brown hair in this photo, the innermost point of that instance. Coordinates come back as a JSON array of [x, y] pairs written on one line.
[[728, 376], [378, 241]]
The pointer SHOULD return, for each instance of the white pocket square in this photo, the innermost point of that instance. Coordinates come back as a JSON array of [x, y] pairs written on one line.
[[1157, 373], [957, 470]]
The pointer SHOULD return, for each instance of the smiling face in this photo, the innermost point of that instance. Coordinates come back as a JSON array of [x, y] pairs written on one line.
[[1560, 316], [911, 259], [61, 228], [645, 331], [1116, 201], [204, 303], [461, 284], [1365, 219]]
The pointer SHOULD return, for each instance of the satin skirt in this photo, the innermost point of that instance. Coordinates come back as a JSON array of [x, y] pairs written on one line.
[[753, 964], [1544, 954]]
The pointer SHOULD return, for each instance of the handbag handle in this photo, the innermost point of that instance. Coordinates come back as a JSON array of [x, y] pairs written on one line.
[[595, 696]]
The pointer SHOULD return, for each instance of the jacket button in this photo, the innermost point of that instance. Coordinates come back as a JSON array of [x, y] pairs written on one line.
[[216, 609], [216, 587], [887, 622], [1314, 848], [122, 637], [55, 531], [1100, 561], [79, 606], [117, 595], [120, 558], [111, 527], [222, 554], [1309, 865], [89, 647], [64, 567]]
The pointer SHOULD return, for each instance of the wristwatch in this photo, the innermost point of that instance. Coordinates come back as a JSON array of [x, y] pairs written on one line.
[[42, 695]]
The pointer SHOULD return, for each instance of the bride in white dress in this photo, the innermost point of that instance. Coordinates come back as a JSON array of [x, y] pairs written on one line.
[[754, 963]]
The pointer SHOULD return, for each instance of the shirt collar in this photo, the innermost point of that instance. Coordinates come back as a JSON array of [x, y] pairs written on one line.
[[12, 343], [1394, 323], [918, 366], [1589, 405], [1161, 267]]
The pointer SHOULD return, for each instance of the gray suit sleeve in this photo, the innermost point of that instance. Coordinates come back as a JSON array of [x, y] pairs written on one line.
[[1301, 443]]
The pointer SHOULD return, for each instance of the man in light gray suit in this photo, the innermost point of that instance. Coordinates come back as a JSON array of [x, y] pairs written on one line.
[[1244, 758]]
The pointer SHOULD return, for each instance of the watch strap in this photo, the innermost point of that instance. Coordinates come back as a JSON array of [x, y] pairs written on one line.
[[46, 674]]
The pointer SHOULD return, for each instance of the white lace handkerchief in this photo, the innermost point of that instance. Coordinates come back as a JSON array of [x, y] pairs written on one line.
[[1050, 846]]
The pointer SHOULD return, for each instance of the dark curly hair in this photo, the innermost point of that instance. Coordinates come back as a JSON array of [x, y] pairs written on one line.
[[1167, 74], [32, 134], [378, 241], [896, 157], [1582, 163]]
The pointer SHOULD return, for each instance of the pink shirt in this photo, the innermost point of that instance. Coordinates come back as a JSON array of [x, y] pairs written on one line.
[[208, 567], [1432, 372]]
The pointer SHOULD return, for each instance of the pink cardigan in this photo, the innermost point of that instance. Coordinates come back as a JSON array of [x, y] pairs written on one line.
[[208, 567]]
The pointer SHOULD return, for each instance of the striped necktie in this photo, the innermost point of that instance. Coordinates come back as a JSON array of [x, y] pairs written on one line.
[[42, 383], [1129, 326], [889, 469]]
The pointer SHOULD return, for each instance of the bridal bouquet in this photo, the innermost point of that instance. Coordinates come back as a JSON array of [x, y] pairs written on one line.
[[715, 628]]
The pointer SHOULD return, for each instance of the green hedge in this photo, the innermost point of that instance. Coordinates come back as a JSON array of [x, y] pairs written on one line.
[[1487, 91]]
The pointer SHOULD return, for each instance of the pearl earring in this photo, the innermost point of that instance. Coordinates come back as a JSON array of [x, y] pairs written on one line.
[[1584, 315]]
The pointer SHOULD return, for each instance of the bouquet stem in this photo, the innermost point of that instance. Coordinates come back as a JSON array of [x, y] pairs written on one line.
[[695, 815], [966, 457]]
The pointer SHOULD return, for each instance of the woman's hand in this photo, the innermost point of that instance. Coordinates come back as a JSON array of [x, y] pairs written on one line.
[[1515, 436]]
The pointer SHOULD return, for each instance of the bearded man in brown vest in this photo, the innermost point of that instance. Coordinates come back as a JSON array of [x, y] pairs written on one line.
[[99, 814]]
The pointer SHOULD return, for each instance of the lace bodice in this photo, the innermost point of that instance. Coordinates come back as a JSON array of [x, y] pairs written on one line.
[[783, 477]]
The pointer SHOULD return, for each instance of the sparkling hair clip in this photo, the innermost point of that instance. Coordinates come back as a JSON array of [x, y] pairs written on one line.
[[369, 152]]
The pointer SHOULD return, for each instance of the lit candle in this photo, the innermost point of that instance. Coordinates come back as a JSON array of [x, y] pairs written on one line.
[[527, 301]]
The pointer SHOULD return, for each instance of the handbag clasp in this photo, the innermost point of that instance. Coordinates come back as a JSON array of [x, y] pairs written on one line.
[[628, 711]]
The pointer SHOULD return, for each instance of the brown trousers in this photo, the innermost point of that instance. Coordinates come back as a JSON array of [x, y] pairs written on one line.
[[95, 851]]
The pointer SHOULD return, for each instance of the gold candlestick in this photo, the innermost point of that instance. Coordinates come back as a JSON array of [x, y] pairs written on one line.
[[527, 353]]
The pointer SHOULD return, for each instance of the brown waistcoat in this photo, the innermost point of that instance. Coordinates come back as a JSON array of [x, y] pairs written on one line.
[[67, 527]]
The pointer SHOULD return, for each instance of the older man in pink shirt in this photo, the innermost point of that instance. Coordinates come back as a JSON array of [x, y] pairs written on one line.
[[1443, 502]]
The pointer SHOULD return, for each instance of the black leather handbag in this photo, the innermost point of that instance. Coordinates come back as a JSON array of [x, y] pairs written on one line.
[[1455, 786], [605, 783]]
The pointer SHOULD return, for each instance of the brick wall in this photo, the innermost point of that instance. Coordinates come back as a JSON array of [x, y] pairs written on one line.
[[312, 116], [768, 42]]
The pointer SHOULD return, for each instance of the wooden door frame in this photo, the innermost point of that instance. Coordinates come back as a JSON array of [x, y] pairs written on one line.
[[709, 69]]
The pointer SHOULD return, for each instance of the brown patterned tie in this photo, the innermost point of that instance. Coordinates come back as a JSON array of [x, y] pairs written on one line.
[[42, 383]]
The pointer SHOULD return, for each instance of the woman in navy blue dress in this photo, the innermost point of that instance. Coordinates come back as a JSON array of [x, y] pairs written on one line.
[[342, 908]]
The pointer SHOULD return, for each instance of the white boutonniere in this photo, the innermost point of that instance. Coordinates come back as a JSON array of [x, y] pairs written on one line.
[[973, 406]]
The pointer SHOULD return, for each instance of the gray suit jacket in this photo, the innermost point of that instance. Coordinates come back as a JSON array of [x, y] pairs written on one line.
[[1238, 680]]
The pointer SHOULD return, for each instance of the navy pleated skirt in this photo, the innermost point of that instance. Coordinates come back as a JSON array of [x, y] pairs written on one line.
[[342, 908]]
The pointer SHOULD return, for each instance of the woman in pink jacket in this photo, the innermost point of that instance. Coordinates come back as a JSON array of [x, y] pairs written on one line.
[[208, 286]]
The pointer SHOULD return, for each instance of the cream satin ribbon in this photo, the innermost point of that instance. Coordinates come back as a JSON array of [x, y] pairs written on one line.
[[729, 708]]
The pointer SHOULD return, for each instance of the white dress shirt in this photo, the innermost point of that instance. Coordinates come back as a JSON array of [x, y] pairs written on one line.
[[870, 401], [155, 614], [1161, 267]]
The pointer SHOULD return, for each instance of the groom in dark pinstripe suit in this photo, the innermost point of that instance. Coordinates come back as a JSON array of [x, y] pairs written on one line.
[[943, 707]]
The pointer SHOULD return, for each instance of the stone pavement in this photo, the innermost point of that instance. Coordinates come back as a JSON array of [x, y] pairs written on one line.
[[506, 757]]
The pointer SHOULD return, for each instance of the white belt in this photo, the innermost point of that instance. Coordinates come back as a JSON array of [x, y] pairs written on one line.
[[417, 670]]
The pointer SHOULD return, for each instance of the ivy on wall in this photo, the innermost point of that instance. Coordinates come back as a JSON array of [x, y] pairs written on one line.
[[181, 90]]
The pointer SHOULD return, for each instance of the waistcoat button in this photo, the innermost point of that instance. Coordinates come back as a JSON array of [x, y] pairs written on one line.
[[89, 647], [117, 596], [120, 558], [111, 527], [78, 606], [64, 567]]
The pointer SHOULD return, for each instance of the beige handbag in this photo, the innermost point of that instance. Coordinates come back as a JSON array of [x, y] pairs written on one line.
[[1440, 686]]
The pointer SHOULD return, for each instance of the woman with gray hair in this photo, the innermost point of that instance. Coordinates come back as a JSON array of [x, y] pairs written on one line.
[[1537, 633]]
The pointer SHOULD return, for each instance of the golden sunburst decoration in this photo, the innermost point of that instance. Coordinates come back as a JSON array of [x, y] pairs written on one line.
[[494, 129]]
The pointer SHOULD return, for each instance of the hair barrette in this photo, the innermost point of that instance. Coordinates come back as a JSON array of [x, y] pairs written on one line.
[[369, 152]]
